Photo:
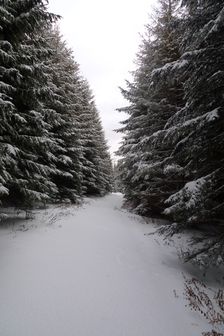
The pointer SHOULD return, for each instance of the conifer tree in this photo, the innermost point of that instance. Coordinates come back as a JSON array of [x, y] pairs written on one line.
[[103, 161], [82, 163], [153, 102], [8, 75], [196, 133], [20, 20], [96, 163], [117, 170], [62, 104], [198, 130]]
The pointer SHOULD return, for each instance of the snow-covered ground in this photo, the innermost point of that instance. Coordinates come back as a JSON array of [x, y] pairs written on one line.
[[91, 271]]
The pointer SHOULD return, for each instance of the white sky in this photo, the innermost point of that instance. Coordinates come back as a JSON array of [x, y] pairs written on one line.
[[105, 37]]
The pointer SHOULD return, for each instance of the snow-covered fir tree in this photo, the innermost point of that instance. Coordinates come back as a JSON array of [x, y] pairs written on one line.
[[21, 125], [153, 102], [96, 162], [117, 170], [196, 133], [103, 161], [62, 111]]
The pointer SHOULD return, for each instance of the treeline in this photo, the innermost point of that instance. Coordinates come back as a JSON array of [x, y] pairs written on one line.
[[52, 146], [173, 146]]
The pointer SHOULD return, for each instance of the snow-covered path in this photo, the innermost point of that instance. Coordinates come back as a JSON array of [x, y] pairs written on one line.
[[92, 272]]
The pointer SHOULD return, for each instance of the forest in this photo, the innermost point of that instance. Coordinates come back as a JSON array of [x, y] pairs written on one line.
[[52, 145], [116, 243]]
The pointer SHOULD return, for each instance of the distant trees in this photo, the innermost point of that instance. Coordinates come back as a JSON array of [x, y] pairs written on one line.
[[117, 170], [173, 161], [43, 103]]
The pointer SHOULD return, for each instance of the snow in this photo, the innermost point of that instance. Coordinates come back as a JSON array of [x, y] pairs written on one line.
[[3, 190], [217, 24], [188, 197], [172, 168], [91, 271], [213, 115], [11, 149], [176, 65]]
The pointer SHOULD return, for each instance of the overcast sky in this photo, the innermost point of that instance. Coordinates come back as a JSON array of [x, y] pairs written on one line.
[[105, 37]]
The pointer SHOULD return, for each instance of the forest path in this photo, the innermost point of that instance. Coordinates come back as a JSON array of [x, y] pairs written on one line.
[[91, 271]]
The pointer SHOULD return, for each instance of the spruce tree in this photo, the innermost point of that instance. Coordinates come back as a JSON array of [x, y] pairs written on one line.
[[197, 132], [103, 161], [62, 110], [8, 76], [153, 102], [21, 124], [96, 162], [117, 170]]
